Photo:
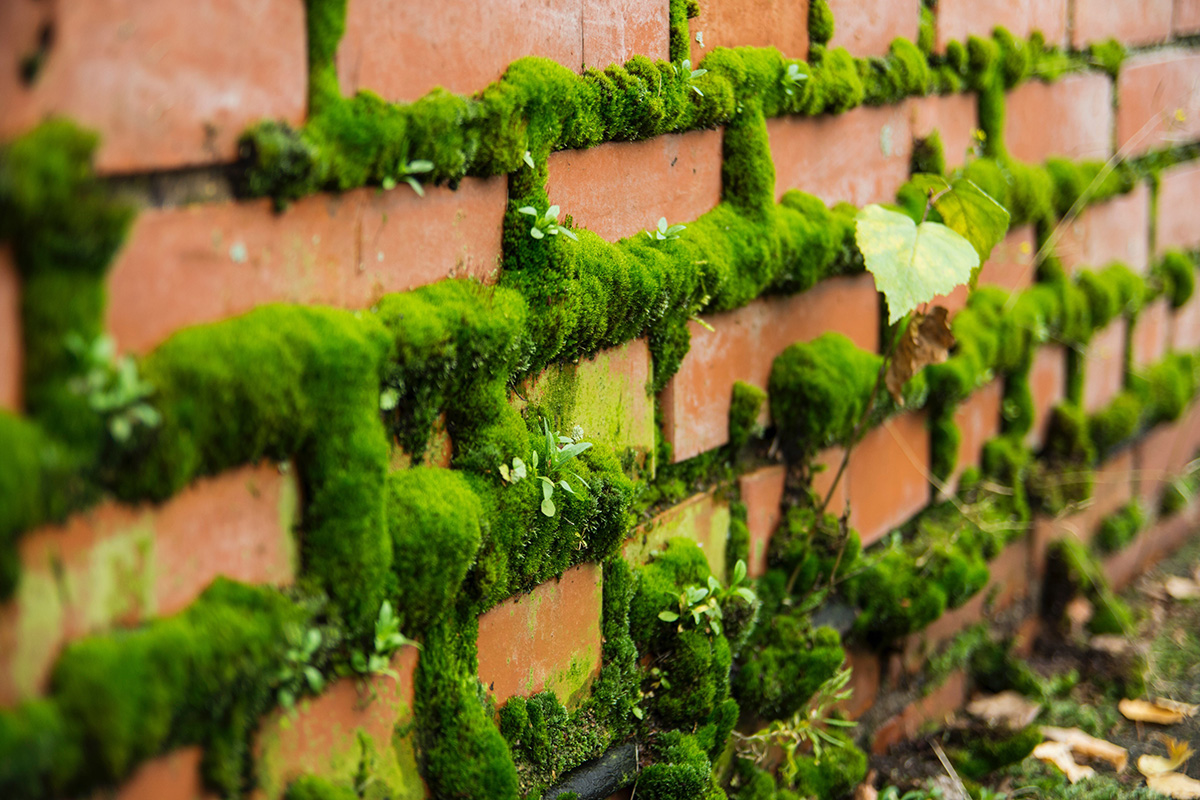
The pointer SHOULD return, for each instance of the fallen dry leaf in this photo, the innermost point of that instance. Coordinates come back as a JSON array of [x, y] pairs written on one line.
[[1181, 588], [1059, 754], [1088, 746], [866, 791], [1187, 709], [1177, 755], [1111, 644], [1007, 708], [927, 340], [1145, 711], [1175, 785]]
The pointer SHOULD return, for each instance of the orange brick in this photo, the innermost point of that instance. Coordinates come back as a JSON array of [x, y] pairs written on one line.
[[614, 32], [1071, 117], [1115, 230], [1122, 567], [1048, 385], [1176, 224], [1158, 97], [1151, 333], [623, 188], [935, 707], [830, 460], [325, 735], [165, 85], [1159, 456], [978, 420], [1010, 267], [762, 492], [782, 24], [888, 477], [547, 639], [859, 157], [958, 19], [1132, 22], [868, 28], [1185, 325], [118, 565], [954, 116], [1169, 534], [865, 674], [174, 776], [704, 518], [185, 266], [743, 346], [1104, 366], [1186, 20], [12, 355]]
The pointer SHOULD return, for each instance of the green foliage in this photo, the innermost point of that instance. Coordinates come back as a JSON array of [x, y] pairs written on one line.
[[981, 755], [311, 787], [743, 413], [546, 223], [967, 211], [1073, 569], [784, 664], [387, 640], [820, 22], [1108, 56], [547, 741], [298, 674], [1177, 272], [1120, 528]]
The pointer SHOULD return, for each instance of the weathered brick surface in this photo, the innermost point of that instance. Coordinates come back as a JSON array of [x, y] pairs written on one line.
[[955, 117], [326, 735], [1176, 223], [403, 50], [935, 707], [1048, 385], [865, 674], [1010, 267], [743, 346], [860, 157], [118, 565], [1158, 97], [622, 188], [703, 518], [1185, 325], [174, 776], [547, 639], [1071, 117], [867, 28], [1151, 335], [1132, 22], [1158, 458], [1186, 19], [782, 24], [11, 351], [762, 493], [1115, 230], [888, 477], [165, 85], [958, 19], [1104, 366], [184, 266]]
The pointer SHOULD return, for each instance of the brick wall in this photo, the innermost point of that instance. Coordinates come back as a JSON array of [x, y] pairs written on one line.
[[170, 93]]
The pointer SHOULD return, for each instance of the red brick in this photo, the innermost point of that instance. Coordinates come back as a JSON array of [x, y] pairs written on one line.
[[978, 420], [743, 346], [703, 518], [1104, 366], [762, 493], [1151, 333], [547, 639], [1185, 325], [119, 565], [1122, 567], [1176, 225], [12, 355], [1186, 20], [1071, 117], [866, 672], [185, 266], [325, 735], [954, 116], [1159, 456], [1115, 230], [935, 707], [888, 477], [859, 157], [174, 776], [623, 188], [1158, 97], [1132, 22], [1169, 534], [1009, 267], [165, 85], [868, 28], [830, 460], [615, 31], [958, 19], [1048, 385], [782, 24]]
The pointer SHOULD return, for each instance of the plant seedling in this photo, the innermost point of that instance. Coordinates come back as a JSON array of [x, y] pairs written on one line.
[[407, 174], [664, 232], [792, 79], [693, 74], [546, 224]]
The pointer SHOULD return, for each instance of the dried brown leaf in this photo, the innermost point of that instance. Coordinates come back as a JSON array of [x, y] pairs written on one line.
[[1181, 588], [1175, 785], [1059, 754], [926, 340], [1087, 746], [1110, 644], [1007, 708], [1145, 711], [1187, 709], [1178, 754]]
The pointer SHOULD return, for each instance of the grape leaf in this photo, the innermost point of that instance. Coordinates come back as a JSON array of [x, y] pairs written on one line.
[[912, 264], [968, 211]]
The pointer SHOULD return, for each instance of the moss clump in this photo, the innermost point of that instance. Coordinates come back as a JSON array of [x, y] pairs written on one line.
[[433, 519], [1115, 423], [1108, 56], [547, 740], [311, 787], [681, 770], [814, 548], [1120, 528], [743, 413], [1071, 569], [820, 22], [929, 155], [980, 755], [840, 768], [1177, 274], [784, 664], [40, 751]]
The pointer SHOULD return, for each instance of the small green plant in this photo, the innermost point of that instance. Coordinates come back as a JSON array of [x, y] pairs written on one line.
[[892, 793], [692, 74], [792, 79], [561, 450], [702, 604], [664, 233], [298, 672], [388, 640], [408, 174], [112, 386], [546, 224], [528, 159]]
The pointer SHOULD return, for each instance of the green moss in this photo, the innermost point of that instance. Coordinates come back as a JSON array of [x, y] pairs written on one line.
[[1071, 569], [994, 667], [738, 547], [820, 22], [681, 770], [1116, 423], [818, 552], [929, 155], [1177, 274], [547, 741], [1108, 56], [1120, 528], [834, 774], [784, 664], [311, 787], [743, 413], [40, 751], [981, 755]]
